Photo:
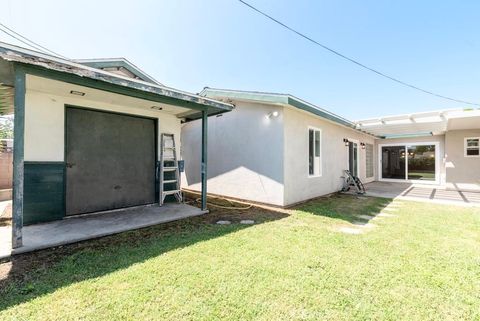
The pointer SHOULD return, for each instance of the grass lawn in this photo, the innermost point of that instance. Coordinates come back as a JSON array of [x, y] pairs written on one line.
[[421, 262]]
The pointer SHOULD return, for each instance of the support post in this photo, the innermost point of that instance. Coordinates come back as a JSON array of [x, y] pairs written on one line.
[[204, 158], [18, 156]]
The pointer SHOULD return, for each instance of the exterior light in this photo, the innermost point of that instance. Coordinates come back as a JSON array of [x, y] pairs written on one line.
[[78, 93], [273, 114], [363, 145], [346, 142]]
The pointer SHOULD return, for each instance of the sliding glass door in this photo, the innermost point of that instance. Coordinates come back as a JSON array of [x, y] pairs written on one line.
[[409, 162], [421, 162]]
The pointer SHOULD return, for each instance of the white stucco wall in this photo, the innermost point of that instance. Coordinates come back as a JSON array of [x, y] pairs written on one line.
[[461, 170], [440, 139], [298, 185], [45, 120], [245, 151]]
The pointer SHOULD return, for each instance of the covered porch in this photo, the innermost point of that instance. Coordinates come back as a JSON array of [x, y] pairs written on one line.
[[48, 91]]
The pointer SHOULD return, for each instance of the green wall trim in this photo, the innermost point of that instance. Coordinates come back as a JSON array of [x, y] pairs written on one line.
[[44, 195]]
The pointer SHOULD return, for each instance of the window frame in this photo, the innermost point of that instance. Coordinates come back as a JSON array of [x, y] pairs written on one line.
[[320, 157], [465, 147]]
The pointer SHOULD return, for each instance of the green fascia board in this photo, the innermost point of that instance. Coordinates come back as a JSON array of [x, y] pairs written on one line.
[[128, 88], [295, 102], [120, 63], [274, 98]]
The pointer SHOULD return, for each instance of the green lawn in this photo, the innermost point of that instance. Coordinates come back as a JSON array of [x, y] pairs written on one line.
[[420, 263]]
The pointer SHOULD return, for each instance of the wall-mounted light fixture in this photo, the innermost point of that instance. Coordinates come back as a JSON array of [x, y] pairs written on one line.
[[273, 114], [156, 107], [363, 145], [78, 93], [346, 142]]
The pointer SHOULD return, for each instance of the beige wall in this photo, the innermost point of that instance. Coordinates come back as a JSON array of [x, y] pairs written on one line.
[[460, 169], [44, 122], [440, 139], [298, 185]]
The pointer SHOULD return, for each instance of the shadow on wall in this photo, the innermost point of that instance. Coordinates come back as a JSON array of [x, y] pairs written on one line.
[[32, 275], [251, 150]]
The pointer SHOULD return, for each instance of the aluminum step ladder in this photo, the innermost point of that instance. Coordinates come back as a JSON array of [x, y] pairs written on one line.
[[169, 173], [350, 180]]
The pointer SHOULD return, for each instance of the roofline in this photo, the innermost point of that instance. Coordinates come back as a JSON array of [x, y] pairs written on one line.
[[116, 79], [119, 59], [283, 99]]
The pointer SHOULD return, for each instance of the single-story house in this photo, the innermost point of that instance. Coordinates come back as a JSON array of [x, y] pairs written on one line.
[[278, 149], [87, 134]]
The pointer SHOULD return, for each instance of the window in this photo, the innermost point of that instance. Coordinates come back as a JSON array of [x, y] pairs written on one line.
[[472, 147], [369, 160], [314, 152]]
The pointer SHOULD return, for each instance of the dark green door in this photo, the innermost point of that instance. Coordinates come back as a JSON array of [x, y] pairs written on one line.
[[110, 160]]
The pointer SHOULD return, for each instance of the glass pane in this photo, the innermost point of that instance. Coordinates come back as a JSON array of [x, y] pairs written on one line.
[[472, 142], [310, 151], [393, 162], [317, 143], [421, 162], [369, 160], [352, 158], [473, 151]]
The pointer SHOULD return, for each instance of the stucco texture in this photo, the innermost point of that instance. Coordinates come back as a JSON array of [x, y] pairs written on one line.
[[245, 149], [265, 159], [45, 121], [459, 168], [298, 185]]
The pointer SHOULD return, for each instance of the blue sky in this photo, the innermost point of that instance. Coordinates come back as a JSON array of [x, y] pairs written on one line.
[[189, 44]]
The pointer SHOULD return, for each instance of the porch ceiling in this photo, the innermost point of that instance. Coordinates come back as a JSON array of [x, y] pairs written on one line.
[[59, 88]]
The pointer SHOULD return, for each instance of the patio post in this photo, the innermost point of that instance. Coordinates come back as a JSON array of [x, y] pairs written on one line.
[[18, 155], [204, 158]]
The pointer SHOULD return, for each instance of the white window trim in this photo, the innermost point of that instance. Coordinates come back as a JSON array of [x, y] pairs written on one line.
[[465, 147], [320, 171]]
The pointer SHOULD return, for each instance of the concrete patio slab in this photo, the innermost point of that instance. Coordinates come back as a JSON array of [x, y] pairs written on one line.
[[423, 193], [80, 228]]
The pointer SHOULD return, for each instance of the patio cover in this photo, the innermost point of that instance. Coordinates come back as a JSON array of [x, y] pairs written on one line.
[[421, 124]]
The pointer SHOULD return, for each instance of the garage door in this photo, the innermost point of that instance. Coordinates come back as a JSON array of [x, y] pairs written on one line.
[[110, 161]]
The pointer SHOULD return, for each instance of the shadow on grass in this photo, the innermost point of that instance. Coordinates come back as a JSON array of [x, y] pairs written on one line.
[[350, 208], [28, 276]]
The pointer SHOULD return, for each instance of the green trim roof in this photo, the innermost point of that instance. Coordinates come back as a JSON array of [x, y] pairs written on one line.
[[70, 71], [118, 63], [276, 98]]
